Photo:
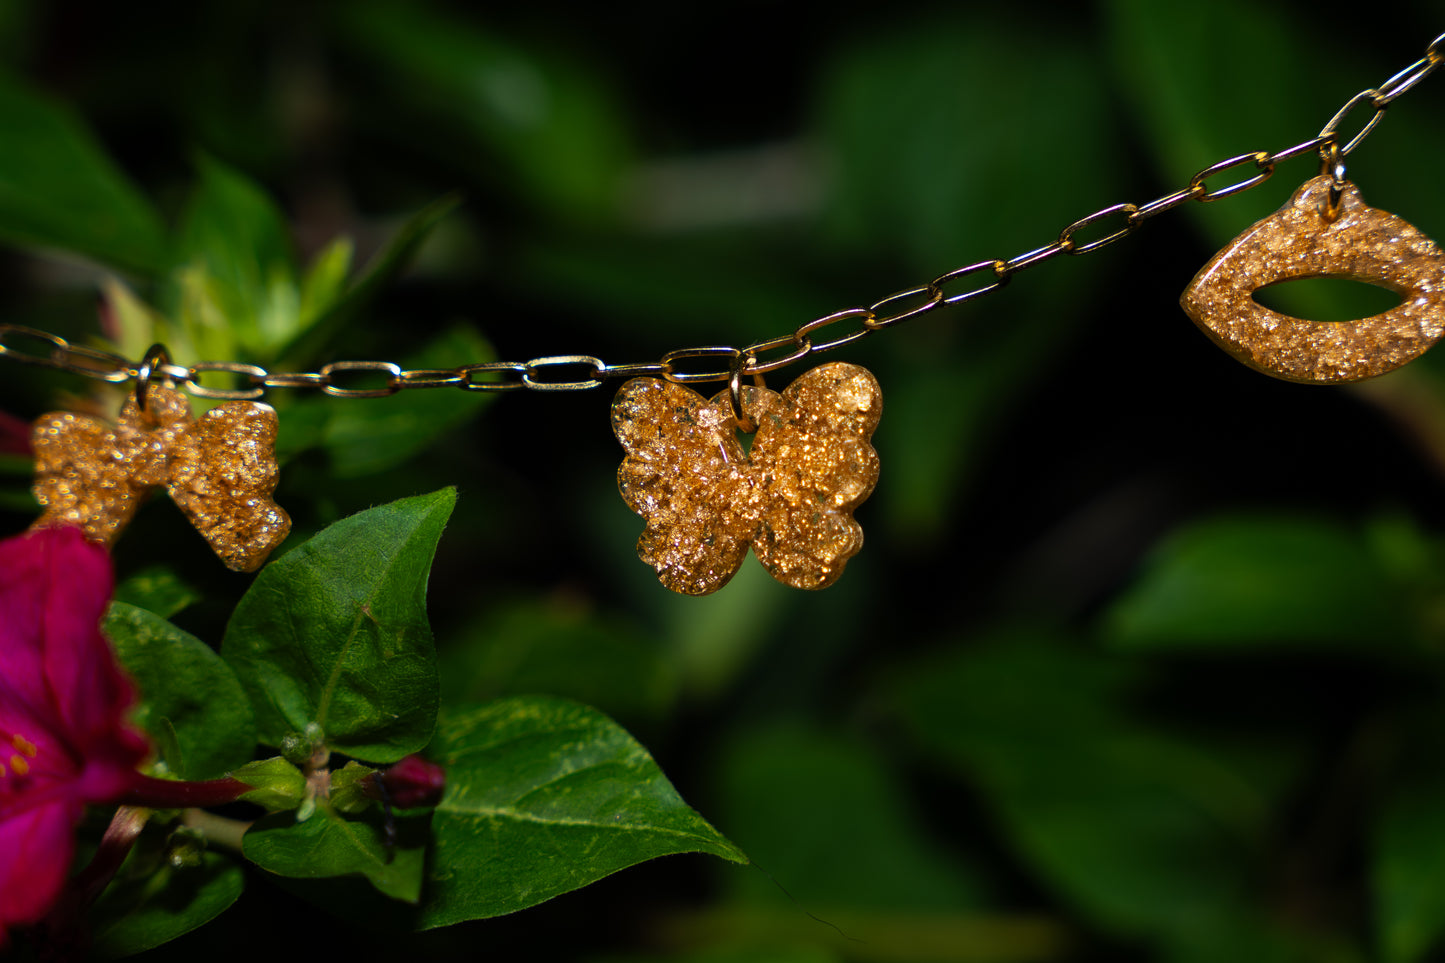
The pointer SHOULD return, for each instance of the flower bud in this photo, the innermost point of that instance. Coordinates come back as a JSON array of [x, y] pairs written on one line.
[[275, 783], [185, 848], [349, 792], [410, 783]]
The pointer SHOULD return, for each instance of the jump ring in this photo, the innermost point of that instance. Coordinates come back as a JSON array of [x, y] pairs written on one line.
[[156, 356], [735, 390]]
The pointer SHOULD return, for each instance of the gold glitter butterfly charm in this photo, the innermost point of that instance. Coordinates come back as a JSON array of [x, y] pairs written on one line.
[[219, 469], [791, 496], [1316, 236]]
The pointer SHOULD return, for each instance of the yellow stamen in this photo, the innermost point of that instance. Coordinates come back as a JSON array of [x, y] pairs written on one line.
[[20, 766], [26, 747]]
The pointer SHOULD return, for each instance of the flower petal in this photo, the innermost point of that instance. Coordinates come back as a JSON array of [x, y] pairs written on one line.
[[61, 689], [22, 613], [72, 582], [35, 852]]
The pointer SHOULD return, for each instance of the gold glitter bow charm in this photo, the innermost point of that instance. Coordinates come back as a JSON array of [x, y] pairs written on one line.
[[219, 469], [791, 496], [1315, 235]]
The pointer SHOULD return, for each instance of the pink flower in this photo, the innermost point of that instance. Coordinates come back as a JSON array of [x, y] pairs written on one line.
[[64, 738]]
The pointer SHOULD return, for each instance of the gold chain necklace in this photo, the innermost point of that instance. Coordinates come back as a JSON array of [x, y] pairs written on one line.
[[791, 496]]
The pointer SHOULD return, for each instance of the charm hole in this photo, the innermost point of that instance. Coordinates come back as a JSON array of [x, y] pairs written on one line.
[[1327, 299]]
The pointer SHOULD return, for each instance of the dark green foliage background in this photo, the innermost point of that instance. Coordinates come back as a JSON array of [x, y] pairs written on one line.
[[1144, 658]]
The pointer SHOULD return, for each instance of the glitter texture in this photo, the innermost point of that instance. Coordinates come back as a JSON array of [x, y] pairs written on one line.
[[791, 496], [1300, 241], [220, 469]]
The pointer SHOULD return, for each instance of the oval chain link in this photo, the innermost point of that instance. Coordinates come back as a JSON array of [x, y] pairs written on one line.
[[755, 359]]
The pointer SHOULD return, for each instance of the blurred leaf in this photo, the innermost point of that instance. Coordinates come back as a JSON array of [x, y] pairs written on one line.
[[158, 590], [59, 189], [831, 822], [782, 933], [19, 501], [334, 311], [709, 640], [1408, 855], [329, 844], [540, 116], [653, 284], [1327, 299], [1253, 581], [928, 480], [16, 472], [737, 951], [972, 182], [325, 280], [1146, 833], [365, 436], [191, 704], [544, 796], [136, 913], [136, 325], [536, 645], [335, 633], [713, 638], [236, 269], [17, 24], [974, 172]]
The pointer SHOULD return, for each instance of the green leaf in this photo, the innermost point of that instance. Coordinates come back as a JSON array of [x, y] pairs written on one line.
[[192, 705], [137, 913], [236, 270], [158, 590], [545, 796], [1147, 833], [58, 188], [329, 844], [1235, 581], [335, 633]]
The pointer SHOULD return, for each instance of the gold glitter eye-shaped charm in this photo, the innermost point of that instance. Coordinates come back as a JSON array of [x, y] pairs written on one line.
[[1302, 240], [219, 469], [791, 496]]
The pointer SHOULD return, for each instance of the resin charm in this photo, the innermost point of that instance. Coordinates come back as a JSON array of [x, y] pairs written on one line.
[[219, 469], [1302, 240], [791, 496]]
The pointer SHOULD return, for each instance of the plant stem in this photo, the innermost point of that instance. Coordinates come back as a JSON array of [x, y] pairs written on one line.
[[170, 794], [218, 830]]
